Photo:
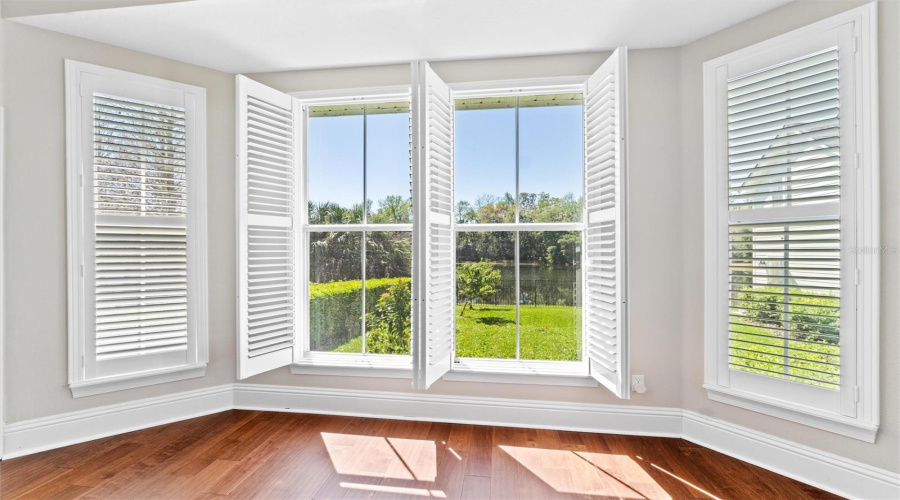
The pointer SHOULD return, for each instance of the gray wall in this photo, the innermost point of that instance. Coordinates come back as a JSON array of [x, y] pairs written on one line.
[[35, 217], [665, 106], [886, 452]]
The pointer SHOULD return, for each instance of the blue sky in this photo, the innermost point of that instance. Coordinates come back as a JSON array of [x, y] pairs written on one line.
[[549, 154]]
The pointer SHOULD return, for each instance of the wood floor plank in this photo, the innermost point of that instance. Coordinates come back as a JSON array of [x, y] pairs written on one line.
[[246, 454]]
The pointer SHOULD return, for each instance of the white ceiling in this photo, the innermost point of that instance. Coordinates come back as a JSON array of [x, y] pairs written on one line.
[[246, 36]]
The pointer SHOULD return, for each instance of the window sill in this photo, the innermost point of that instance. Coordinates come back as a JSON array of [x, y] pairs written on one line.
[[845, 426], [350, 365], [131, 381], [521, 372]]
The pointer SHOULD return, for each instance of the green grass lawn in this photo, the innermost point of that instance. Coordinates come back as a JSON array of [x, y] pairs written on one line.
[[548, 333]]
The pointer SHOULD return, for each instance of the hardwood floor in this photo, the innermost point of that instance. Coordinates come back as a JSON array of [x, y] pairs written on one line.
[[248, 454]]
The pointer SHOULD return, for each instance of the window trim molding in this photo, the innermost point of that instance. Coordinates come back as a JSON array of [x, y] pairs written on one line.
[[196, 225], [865, 425]]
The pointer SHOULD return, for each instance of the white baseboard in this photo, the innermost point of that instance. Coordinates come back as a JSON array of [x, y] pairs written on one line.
[[817, 468], [822, 470], [610, 419], [47, 433]]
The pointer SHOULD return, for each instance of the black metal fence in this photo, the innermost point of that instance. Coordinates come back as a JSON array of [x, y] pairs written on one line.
[[535, 292]]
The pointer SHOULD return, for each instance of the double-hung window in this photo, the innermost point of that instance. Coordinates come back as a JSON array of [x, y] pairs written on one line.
[[791, 206], [137, 229], [435, 232]]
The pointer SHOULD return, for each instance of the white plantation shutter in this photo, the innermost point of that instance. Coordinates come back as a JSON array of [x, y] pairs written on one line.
[[784, 159], [605, 189], [434, 249], [268, 158], [137, 228], [786, 138]]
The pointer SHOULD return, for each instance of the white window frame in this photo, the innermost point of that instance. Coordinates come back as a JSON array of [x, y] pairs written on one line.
[[307, 362], [538, 372], [76, 174], [855, 412]]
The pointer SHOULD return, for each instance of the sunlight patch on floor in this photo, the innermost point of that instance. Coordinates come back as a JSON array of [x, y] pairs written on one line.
[[586, 473], [388, 458], [394, 490]]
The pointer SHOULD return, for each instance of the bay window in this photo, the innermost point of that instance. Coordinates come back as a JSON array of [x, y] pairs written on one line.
[[432, 232]]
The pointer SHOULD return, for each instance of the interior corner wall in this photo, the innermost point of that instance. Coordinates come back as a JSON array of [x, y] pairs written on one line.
[[35, 218], [654, 206], [885, 453]]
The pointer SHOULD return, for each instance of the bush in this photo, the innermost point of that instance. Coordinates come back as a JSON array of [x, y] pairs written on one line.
[[388, 327], [335, 312], [476, 281], [808, 314]]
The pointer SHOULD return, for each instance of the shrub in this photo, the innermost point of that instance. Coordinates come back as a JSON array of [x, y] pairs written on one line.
[[388, 327], [335, 309], [809, 315], [476, 281]]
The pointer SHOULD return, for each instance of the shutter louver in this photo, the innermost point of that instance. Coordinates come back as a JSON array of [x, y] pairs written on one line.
[[140, 233], [139, 158], [783, 135], [434, 284], [605, 190], [267, 240], [141, 290], [784, 277]]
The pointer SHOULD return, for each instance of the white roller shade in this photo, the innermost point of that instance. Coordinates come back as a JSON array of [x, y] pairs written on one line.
[[434, 249], [605, 190], [268, 165]]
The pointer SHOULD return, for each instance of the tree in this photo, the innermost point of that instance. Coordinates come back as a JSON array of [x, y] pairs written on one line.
[[476, 281]]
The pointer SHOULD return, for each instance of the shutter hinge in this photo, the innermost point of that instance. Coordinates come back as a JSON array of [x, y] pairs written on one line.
[[855, 44], [856, 394], [81, 89]]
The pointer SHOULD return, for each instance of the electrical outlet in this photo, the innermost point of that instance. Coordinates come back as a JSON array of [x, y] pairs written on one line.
[[637, 384]]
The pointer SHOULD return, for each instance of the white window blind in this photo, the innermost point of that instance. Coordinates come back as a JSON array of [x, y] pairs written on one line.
[[784, 276], [605, 190], [136, 229], [434, 279], [269, 299]]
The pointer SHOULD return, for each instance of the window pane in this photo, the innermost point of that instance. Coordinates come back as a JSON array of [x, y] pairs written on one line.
[[486, 295], [550, 295], [335, 149], [335, 292], [485, 159], [550, 158], [388, 303], [389, 199]]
